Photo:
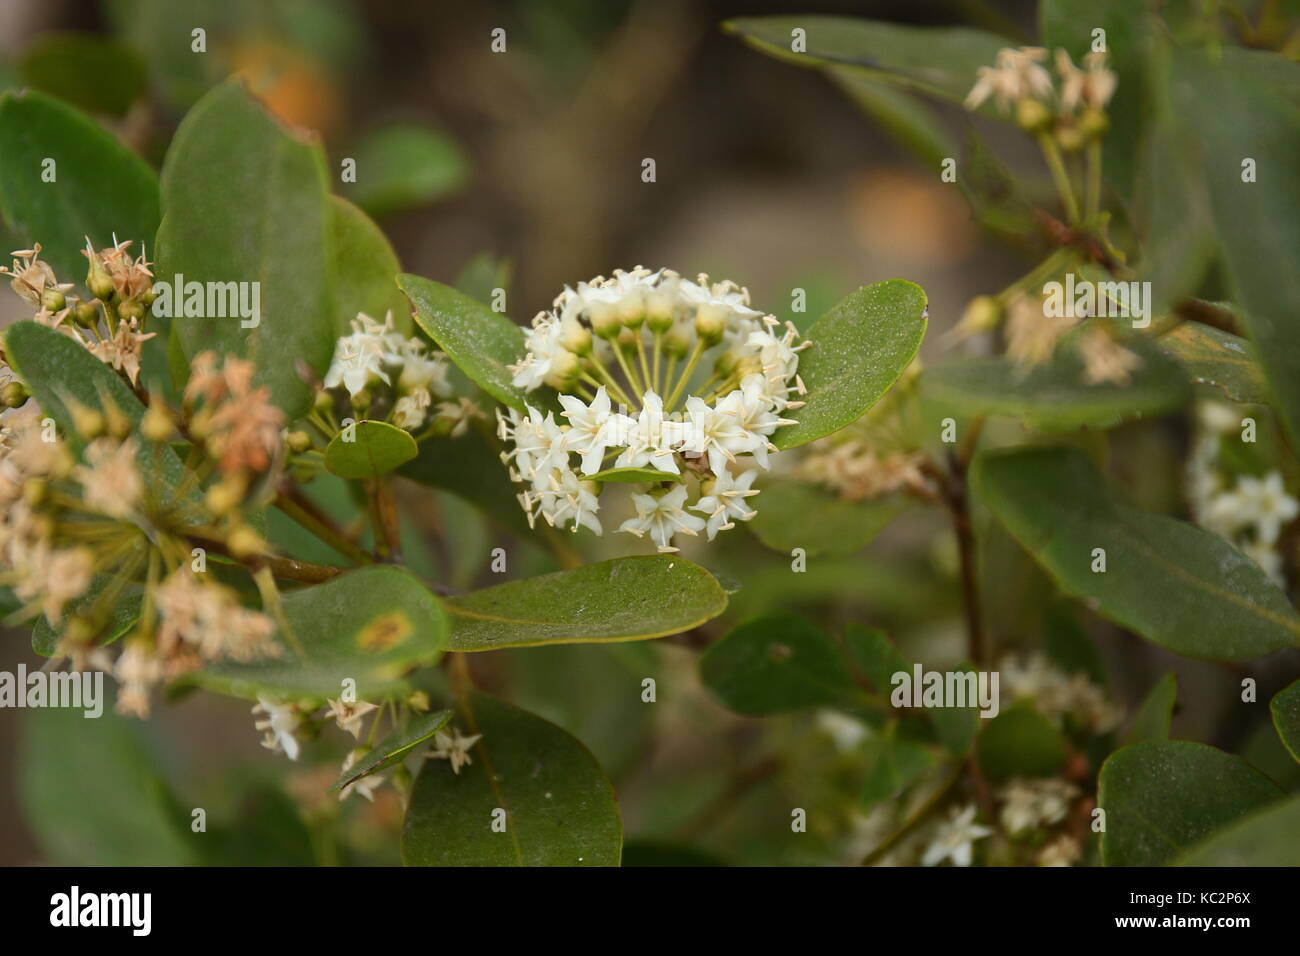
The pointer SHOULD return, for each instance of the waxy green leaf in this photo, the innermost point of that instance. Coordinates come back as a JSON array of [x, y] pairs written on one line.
[[1267, 837], [1053, 396], [372, 625], [941, 61], [365, 270], [1285, 708], [555, 803], [245, 200], [860, 348], [1020, 742], [776, 664], [94, 73], [396, 747], [793, 514], [99, 188], [481, 342], [1175, 584], [626, 599], [376, 449], [632, 475], [1209, 356], [1161, 797], [1154, 716], [403, 165]]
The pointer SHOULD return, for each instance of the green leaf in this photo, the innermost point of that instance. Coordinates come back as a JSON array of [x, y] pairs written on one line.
[[470, 467], [101, 187], [395, 748], [1255, 221], [372, 625], [558, 806], [401, 166], [1053, 396], [482, 275], [875, 655], [481, 342], [377, 448], [860, 348], [1285, 708], [896, 764], [1209, 356], [1152, 720], [626, 599], [940, 61], [55, 369], [909, 120], [125, 612], [365, 269], [1267, 837], [1175, 584], [1161, 797], [1020, 742], [793, 514], [94, 73], [245, 200], [633, 475], [90, 793], [776, 664]]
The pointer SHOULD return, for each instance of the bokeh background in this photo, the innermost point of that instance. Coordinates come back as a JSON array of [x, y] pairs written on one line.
[[527, 165]]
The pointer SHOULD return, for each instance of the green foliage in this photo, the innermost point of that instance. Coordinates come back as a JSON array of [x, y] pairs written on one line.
[[402, 166], [1285, 708], [1153, 717], [799, 515], [557, 806], [1020, 742], [97, 74], [374, 449], [396, 747]]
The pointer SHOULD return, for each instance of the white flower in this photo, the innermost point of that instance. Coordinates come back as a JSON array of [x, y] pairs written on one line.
[[357, 362], [847, 732], [543, 344], [538, 441], [1031, 803], [726, 500], [1062, 851], [954, 839], [348, 715], [652, 438], [1018, 75], [422, 370], [662, 517], [1092, 86], [592, 428], [411, 410], [453, 747], [110, 480], [569, 499], [279, 725], [1261, 502], [365, 786], [1266, 556]]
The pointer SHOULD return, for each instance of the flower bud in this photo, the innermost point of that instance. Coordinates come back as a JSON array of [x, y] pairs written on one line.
[[1093, 123], [99, 282], [88, 422], [659, 311], [157, 424], [711, 322], [574, 336], [115, 421], [52, 300], [983, 314], [34, 491], [132, 310], [223, 497], [14, 395], [677, 342], [632, 310], [1032, 116], [605, 321], [565, 367], [244, 542], [1070, 139], [299, 442], [86, 315]]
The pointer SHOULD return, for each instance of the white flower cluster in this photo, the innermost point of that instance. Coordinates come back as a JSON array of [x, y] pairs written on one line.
[[622, 339], [1019, 75], [376, 353], [1250, 514], [1057, 694]]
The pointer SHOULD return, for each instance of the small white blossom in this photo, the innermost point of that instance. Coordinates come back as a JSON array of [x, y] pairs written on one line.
[[662, 517], [279, 726], [726, 500], [454, 748], [955, 838]]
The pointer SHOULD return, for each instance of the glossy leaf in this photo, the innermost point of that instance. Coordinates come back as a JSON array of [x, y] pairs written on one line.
[[860, 348], [123, 615], [793, 514], [940, 61], [365, 270], [101, 187], [376, 449], [481, 342], [257, 213], [1020, 742], [1154, 716], [776, 664], [1053, 396], [396, 747], [559, 808], [1285, 709], [1267, 837], [1233, 118], [1209, 356], [895, 764], [1162, 797], [404, 165], [626, 599], [372, 625], [1175, 584], [633, 475]]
